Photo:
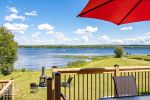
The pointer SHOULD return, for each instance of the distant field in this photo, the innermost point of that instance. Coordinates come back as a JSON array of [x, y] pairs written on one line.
[[140, 57]]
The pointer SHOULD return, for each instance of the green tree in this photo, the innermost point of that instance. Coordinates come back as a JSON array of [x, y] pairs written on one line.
[[119, 52], [8, 51]]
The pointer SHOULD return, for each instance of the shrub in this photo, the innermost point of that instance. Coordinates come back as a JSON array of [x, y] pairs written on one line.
[[8, 51], [77, 63], [119, 52], [23, 70]]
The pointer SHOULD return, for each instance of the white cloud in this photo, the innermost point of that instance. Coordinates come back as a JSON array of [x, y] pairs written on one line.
[[17, 28], [118, 41], [11, 17], [87, 30], [32, 13], [51, 32], [36, 34], [148, 33], [145, 39], [86, 33], [46, 26], [104, 38], [61, 37], [13, 10], [126, 28]]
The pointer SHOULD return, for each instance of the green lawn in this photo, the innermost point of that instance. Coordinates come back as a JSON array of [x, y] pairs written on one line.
[[22, 84], [23, 79], [121, 61], [140, 57]]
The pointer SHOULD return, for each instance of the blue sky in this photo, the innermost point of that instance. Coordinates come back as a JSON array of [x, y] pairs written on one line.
[[49, 22]]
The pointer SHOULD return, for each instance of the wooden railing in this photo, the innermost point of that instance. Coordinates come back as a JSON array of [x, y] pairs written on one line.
[[94, 83], [6, 90]]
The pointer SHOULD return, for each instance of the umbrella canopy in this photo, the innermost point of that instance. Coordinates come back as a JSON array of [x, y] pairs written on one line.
[[117, 11]]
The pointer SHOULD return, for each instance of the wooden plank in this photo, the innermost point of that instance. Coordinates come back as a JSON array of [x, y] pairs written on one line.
[[6, 87], [99, 70], [4, 81]]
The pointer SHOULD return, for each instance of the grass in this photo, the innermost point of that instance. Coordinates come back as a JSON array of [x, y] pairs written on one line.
[[78, 63], [23, 79], [22, 85], [76, 56], [121, 61], [140, 57]]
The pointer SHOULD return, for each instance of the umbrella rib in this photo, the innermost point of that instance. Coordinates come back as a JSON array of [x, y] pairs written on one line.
[[130, 12], [94, 8]]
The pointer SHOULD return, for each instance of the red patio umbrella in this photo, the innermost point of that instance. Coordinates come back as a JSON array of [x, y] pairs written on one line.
[[118, 11]]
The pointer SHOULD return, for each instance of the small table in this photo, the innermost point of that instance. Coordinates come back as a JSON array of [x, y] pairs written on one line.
[[146, 97]]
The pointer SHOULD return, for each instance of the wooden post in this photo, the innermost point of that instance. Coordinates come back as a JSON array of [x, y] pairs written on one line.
[[49, 89], [57, 86], [53, 83], [53, 71], [117, 70]]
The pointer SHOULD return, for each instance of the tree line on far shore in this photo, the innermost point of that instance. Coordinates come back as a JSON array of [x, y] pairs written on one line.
[[84, 46]]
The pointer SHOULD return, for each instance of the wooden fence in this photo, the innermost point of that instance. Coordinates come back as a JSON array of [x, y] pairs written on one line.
[[94, 83], [6, 90]]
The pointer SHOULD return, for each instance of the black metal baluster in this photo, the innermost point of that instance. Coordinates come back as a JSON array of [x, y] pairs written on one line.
[[87, 87], [91, 86], [78, 88], [69, 91], [64, 86], [148, 81], [103, 85], [145, 82], [142, 83], [74, 88], [135, 76], [83, 86], [107, 84], [128, 73], [111, 85], [99, 85], [95, 86], [138, 83]]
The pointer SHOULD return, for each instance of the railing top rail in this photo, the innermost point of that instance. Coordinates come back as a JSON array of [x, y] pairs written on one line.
[[6, 87], [4, 81], [83, 70], [100, 70], [134, 68]]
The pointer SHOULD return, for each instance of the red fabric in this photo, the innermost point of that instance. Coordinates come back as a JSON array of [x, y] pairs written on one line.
[[118, 11]]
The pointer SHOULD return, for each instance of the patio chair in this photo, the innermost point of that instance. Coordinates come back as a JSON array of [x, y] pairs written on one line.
[[63, 97], [125, 86], [33, 87], [68, 83]]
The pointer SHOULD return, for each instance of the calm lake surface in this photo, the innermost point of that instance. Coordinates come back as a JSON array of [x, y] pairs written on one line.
[[35, 58]]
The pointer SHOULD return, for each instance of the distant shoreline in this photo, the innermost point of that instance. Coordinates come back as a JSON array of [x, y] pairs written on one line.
[[83, 46]]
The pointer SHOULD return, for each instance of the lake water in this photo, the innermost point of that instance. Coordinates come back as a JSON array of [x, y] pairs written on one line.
[[35, 58]]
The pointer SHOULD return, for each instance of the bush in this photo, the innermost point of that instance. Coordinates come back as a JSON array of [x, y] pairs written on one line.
[[77, 63], [23, 70], [8, 51], [119, 52], [6, 69]]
